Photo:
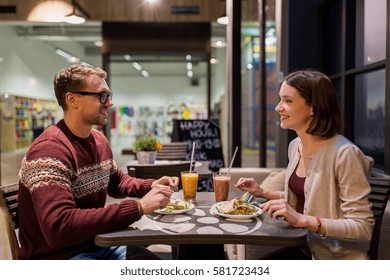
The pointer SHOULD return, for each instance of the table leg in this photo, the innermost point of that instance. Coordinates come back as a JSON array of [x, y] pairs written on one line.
[[200, 252]]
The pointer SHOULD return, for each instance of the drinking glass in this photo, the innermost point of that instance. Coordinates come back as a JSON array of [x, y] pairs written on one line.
[[221, 181], [189, 183]]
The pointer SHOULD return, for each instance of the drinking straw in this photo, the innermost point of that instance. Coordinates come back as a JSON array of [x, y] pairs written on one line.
[[192, 156], [231, 162]]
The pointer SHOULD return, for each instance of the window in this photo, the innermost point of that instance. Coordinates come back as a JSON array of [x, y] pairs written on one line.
[[370, 114], [370, 31]]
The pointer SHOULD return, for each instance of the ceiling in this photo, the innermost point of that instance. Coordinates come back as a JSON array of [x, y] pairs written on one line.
[[28, 16], [130, 11], [87, 34]]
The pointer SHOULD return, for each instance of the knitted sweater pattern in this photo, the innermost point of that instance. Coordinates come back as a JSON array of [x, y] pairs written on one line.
[[64, 181]]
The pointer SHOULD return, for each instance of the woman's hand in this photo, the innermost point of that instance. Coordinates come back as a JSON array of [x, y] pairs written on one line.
[[278, 208], [249, 185]]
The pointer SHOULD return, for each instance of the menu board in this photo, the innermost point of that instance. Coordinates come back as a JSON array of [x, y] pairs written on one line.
[[206, 135], [208, 147]]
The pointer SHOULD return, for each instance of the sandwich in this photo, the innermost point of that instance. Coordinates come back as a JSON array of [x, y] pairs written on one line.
[[176, 204], [236, 207]]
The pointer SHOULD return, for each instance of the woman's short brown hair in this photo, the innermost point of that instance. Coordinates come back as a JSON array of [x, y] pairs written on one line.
[[318, 91], [72, 79]]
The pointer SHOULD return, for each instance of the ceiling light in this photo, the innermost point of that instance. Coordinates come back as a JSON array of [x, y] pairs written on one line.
[[218, 44], [67, 56], [223, 20], [53, 17], [78, 15], [137, 66], [98, 43], [213, 60], [49, 11]]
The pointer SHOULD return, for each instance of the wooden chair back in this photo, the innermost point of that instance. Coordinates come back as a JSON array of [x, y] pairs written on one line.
[[173, 151], [156, 171], [9, 205], [379, 196]]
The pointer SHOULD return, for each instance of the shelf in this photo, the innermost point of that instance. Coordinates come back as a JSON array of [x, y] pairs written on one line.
[[23, 139], [28, 118]]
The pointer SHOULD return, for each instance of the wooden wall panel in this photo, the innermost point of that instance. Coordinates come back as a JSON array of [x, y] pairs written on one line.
[[128, 10]]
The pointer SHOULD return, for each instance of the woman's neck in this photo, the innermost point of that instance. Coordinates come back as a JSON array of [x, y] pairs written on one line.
[[310, 144]]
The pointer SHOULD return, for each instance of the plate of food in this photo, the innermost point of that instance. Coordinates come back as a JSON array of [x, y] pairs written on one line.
[[235, 209], [176, 206]]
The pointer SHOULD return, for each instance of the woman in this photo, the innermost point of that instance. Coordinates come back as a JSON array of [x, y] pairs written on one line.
[[326, 187]]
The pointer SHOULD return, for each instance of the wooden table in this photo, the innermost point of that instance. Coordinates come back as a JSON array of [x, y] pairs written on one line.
[[198, 231]]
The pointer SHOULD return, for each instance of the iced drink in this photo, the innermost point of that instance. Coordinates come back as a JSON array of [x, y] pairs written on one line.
[[221, 185], [189, 183]]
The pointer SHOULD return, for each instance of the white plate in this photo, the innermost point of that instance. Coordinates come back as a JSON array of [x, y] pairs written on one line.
[[214, 210], [162, 211]]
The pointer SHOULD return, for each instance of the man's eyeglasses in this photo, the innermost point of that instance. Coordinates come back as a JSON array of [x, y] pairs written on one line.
[[104, 96]]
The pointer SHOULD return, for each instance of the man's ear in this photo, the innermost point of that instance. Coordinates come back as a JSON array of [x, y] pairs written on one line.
[[70, 100]]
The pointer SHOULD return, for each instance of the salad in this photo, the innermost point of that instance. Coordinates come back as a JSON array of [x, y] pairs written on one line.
[[176, 204]]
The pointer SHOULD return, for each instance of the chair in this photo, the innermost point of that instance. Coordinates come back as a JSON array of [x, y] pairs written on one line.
[[379, 196], [173, 151], [9, 205], [156, 171]]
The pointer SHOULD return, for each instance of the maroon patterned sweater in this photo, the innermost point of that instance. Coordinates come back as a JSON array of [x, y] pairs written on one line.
[[64, 181]]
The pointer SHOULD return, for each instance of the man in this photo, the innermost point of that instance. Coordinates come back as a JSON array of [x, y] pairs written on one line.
[[68, 172]]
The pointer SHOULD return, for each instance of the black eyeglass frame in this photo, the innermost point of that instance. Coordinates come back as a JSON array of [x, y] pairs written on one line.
[[103, 96]]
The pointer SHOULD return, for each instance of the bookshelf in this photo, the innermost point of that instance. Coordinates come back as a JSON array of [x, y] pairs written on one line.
[[23, 119]]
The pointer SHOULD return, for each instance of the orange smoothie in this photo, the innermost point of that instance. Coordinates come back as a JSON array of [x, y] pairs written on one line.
[[189, 182]]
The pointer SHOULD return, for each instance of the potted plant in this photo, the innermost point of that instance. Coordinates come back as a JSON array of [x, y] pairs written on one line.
[[146, 147]]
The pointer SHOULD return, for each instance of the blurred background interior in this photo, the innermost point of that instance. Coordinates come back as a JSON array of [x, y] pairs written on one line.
[[175, 59]]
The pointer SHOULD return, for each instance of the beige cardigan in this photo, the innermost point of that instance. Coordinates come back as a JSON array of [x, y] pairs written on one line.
[[336, 190]]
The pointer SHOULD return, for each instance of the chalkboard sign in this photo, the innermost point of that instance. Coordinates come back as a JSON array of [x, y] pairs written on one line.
[[206, 135]]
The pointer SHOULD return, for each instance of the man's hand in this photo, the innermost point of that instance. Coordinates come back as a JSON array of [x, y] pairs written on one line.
[[172, 182], [158, 197]]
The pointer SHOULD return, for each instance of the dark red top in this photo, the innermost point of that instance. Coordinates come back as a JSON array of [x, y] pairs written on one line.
[[64, 182], [296, 185]]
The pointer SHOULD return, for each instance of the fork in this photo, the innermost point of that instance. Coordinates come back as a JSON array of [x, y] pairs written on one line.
[[250, 199]]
